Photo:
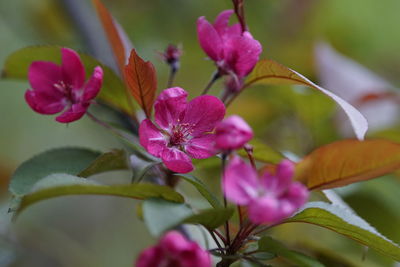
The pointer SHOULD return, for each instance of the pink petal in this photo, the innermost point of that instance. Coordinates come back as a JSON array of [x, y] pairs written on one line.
[[203, 113], [297, 194], [174, 242], [201, 147], [232, 133], [170, 106], [209, 39], [281, 181], [242, 53], [72, 68], [151, 138], [43, 75], [75, 112], [43, 103], [222, 20], [92, 87], [176, 160], [264, 210], [240, 182]]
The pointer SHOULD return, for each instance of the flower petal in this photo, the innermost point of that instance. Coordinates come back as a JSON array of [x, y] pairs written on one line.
[[265, 210], [203, 113], [170, 106], [43, 103], [72, 68], [242, 53], [176, 160], [151, 138], [153, 256], [201, 147], [75, 112], [93, 85], [43, 75], [240, 182], [209, 39], [232, 133], [222, 20]]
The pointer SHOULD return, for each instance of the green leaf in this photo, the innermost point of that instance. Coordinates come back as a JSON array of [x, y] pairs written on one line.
[[210, 218], [270, 245], [263, 152], [109, 161], [160, 216], [61, 184], [61, 160], [201, 187], [347, 223], [112, 91]]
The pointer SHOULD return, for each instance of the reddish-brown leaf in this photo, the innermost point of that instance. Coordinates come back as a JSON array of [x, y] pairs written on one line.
[[140, 76], [113, 33], [348, 161]]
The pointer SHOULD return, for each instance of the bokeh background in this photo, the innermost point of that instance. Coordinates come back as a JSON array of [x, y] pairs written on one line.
[[105, 231]]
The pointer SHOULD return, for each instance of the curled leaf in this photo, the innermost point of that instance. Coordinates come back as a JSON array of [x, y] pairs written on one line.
[[270, 72]]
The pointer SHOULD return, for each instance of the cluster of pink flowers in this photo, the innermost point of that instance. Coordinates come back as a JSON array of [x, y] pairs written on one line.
[[183, 130], [174, 250]]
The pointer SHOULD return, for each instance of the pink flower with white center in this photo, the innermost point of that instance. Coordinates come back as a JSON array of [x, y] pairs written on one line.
[[174, 250], [232, 133], [56, 88], [234, 52], [182, 129], [269, 198]]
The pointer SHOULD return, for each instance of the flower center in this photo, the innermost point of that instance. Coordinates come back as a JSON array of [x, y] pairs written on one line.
[[67, 91], [180, 134]]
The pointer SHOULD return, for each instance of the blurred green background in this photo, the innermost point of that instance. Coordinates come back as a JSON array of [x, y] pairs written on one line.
[[104, 231]]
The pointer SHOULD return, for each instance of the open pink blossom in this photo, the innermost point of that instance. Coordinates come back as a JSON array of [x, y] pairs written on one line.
[[62, 88], [269, 198], [232, 133], [174, 250], [234, 51], [182, 129]]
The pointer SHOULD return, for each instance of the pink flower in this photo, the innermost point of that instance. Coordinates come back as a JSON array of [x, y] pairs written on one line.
[[57, 88], [269, 198], [232, 133], [174, 250], [182, 129], [234, 51]]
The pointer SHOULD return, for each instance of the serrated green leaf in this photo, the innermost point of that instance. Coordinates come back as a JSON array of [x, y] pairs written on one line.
[[270, 245], [113, 89], [57, 185], [201, 187], [109, 161], [61, 160], [347, 223], [263, 152]]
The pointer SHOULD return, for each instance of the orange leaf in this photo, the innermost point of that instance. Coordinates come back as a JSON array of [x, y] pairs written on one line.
[[140, 77], [270, 72], [348, 161], [112, 31]]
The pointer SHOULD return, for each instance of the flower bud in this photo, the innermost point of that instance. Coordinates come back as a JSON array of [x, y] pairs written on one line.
[[232, 133]]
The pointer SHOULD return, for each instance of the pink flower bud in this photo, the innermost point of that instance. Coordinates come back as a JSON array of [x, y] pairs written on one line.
[[232, 133], [174, 250], [62, 88], [172, 55]]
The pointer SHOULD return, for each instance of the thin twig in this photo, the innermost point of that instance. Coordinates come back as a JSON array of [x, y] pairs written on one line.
[[228, 238], [171, 78], [215, 239], [108, 127], [214, 77]]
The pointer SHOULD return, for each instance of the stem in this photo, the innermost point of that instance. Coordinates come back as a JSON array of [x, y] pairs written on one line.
[[220, 236], [239, 11], [214, 77], [172, 74], [249, 150], [108, 127], [239, 209], [228, 238], [215, 239]]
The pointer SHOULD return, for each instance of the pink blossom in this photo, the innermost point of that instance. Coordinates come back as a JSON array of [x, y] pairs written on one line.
[[269, 198], [234, 51], [182, 130], [62, 88], [232, 133], [174, 250]]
